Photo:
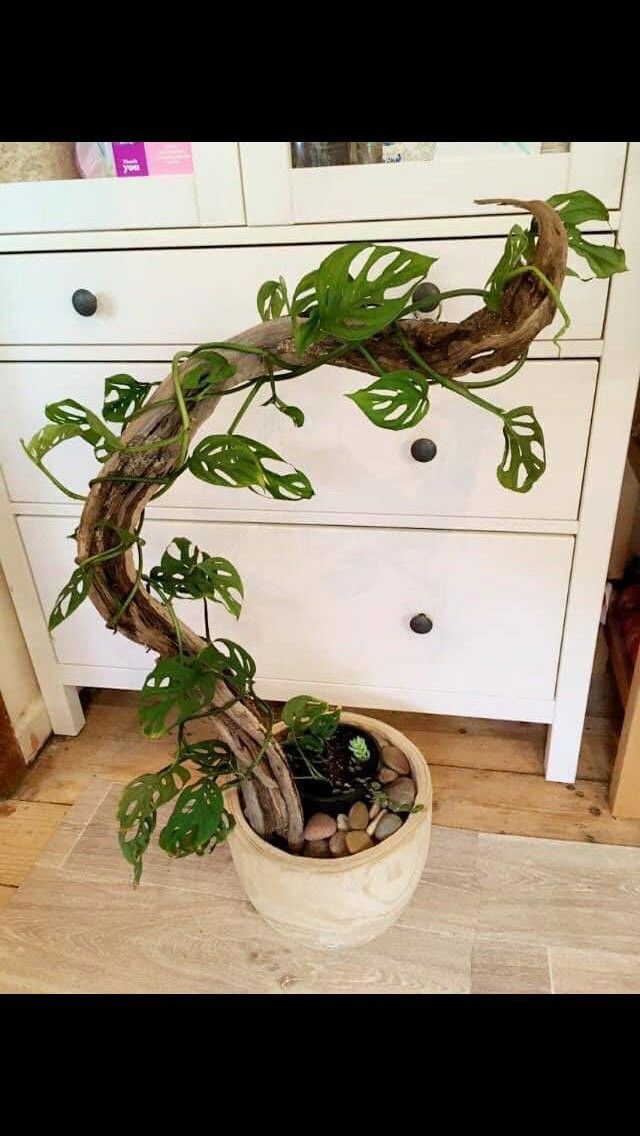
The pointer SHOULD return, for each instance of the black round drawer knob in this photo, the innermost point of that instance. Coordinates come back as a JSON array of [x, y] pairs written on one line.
[[421, 624], [426, 297], [423, 450], [84, 302]]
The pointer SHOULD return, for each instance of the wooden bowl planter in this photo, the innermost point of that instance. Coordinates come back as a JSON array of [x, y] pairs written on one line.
[[343, 902]]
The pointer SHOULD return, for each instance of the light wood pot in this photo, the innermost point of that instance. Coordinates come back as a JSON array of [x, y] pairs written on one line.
[[342, 902]]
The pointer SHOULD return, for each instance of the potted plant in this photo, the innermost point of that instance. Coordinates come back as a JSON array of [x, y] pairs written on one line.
[[329, 813]]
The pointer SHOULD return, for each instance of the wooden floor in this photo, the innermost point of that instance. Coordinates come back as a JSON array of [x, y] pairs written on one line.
[[487, 776], [492, 915]]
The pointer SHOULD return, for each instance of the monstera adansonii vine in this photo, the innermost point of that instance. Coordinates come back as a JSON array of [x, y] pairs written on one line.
[[357, 310]]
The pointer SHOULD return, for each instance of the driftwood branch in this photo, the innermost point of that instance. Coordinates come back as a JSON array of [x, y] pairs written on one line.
[[482, 341]]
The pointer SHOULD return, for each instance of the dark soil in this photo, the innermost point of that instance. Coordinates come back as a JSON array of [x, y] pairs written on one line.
[[347, 779]]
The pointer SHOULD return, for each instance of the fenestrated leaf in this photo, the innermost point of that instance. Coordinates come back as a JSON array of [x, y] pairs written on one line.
[[68, 412], [208, 369], [394, 401], [47, 439], [237, 462], [517, 245], [524, 457], [272, 299], [603, 260], [186, 572], [123, 395], [175, 690], [578, 206], [301, 710], [198, 822], [210, 756], [74, 592], [137, 811], [352, 307], [232, 662]]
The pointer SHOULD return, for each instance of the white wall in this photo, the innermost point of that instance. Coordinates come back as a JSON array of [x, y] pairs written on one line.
[[18, 683]]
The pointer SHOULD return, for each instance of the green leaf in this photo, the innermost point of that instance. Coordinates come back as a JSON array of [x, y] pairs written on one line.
[[137, 811], [299, 712], [123, 395], [237, 462], [74, 592], [232, 662], [187, 573], [349, 307], [175, 690], [91, 428], [198, 822], [272, 299], [45, 440], [210, 756], [524, 458], [210, 369], [578, 206], [394, 401], [292, 412], [517, 247], [603, 260]]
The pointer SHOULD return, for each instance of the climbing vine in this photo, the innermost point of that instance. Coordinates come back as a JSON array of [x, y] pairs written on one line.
[[359, 309]]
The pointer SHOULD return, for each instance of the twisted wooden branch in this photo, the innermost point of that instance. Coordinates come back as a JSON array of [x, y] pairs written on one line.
[[480, 342]]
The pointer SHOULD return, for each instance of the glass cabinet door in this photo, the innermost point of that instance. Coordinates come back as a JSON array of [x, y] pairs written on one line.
[[310, 182], [76, 186]]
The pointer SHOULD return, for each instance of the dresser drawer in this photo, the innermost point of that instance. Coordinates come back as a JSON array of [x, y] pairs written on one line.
[[333, 605], [187, 296], [354, 467]]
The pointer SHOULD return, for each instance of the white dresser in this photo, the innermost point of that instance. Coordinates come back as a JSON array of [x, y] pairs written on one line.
[[511, 582]]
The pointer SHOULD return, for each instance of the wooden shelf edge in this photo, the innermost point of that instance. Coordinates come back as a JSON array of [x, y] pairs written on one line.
[[620, 663]]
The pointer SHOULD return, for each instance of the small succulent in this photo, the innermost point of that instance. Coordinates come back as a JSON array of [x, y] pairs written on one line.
[[359, 749]]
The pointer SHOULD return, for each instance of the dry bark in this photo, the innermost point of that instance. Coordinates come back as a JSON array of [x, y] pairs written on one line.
[[478, 343]]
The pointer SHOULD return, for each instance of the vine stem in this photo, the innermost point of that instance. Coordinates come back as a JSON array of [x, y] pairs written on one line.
[[501, 378], [450, 295], [257, 384], [553, 292], [450, 384]]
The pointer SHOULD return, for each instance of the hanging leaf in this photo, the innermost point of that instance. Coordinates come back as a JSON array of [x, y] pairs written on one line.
[[272, 299], [578, 206], [603, 260], [187, 573], [232, 662], [210, 756], [354, 307], [209, 370], [517, 248], [123, 395], [299, 712], [74, 592], [292, 412], [575, 209], [68, 412], [198, 822], [394, 401], [175, 690], [45, 440], [137, 811], [524, 458], [237, 462]]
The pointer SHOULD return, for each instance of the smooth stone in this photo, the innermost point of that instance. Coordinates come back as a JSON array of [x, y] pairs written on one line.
[[388, 824], [402, 791], [358, 841], [375, 822], [394, 758], [319, 827], [343, 822], [319, 849], [338, 844], [385, 776], [374, 810], [358, 816]]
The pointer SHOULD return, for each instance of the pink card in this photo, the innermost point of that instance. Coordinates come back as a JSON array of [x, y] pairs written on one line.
[[168, 158]]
